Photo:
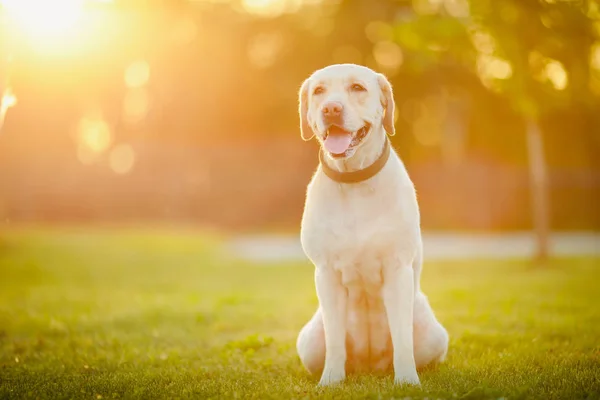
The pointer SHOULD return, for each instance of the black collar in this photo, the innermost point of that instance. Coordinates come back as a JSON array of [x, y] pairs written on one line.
[[360, 175]]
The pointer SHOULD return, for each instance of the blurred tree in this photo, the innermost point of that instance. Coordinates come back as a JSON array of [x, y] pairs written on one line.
[[536, 53]]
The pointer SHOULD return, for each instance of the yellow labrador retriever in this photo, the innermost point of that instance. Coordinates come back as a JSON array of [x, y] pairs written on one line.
[[361, 230]]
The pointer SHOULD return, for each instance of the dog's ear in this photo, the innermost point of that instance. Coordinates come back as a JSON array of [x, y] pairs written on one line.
[[305, 130], [387, 100]]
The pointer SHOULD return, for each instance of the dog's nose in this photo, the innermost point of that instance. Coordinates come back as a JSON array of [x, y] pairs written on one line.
[[332, 109]]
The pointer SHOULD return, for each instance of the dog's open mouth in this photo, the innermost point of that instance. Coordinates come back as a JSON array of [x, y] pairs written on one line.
[[341, 143]]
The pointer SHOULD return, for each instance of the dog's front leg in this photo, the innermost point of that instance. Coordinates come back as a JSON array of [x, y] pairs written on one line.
[[332, 298], [398, 298]]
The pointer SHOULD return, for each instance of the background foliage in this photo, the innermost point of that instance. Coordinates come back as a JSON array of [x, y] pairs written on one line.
[[186, 110]]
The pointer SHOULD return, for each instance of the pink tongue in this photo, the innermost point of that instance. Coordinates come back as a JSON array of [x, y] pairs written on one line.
[[337, 143]]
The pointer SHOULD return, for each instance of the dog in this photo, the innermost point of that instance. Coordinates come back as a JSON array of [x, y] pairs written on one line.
[[361, 230]]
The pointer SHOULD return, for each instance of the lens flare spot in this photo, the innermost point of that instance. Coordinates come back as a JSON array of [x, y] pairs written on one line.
[[457, 8], [483, 41], [137, 74], [121, 159], [7, 101], [556, 74], [94, 135], [491, 67], [427, 7], [265, 8], [388, 55]]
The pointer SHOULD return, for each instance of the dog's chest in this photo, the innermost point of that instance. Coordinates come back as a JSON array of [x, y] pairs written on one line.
[[349, 231]]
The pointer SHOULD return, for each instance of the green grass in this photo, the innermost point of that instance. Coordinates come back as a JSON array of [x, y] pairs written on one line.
[[156, 315]]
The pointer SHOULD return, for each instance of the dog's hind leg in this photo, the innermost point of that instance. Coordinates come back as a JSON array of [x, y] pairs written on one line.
[[311, 344], [430, 337]]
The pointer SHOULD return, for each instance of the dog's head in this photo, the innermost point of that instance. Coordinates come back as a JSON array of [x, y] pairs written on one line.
[[342, 105]]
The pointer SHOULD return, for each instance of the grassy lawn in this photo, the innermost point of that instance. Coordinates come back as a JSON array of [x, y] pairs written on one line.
[[155, 315]]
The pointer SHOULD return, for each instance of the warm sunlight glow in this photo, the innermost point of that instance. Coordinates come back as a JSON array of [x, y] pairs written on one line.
[[425, 7], [85, 155], [137, 74], [346, 54], [595, 56], [483, 42], [556, 74], [267, 8], [48, 23], [121, 159], [457, 8], [548, 70], [94, 135], [490, 67], [427, 132], [135, 106], [427, 117], [388, 56], [7, 101], [184, 31], [377, 31], [264, 48]]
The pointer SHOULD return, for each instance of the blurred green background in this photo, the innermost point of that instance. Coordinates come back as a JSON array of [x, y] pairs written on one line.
[[185, 111]]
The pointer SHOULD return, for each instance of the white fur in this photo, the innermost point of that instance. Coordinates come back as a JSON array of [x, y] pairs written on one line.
[[365, 242]]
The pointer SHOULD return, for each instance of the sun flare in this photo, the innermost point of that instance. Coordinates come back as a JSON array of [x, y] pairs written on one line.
[[46, 22]]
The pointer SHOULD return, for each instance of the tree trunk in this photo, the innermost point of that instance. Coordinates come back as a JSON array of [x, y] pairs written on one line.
[[539, 190]]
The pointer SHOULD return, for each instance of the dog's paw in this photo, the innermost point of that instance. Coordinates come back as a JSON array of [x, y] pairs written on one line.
[[331, 377], [407, 379]]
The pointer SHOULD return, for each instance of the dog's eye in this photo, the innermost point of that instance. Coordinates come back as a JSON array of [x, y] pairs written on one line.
[[358, 88], [319, 90]]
